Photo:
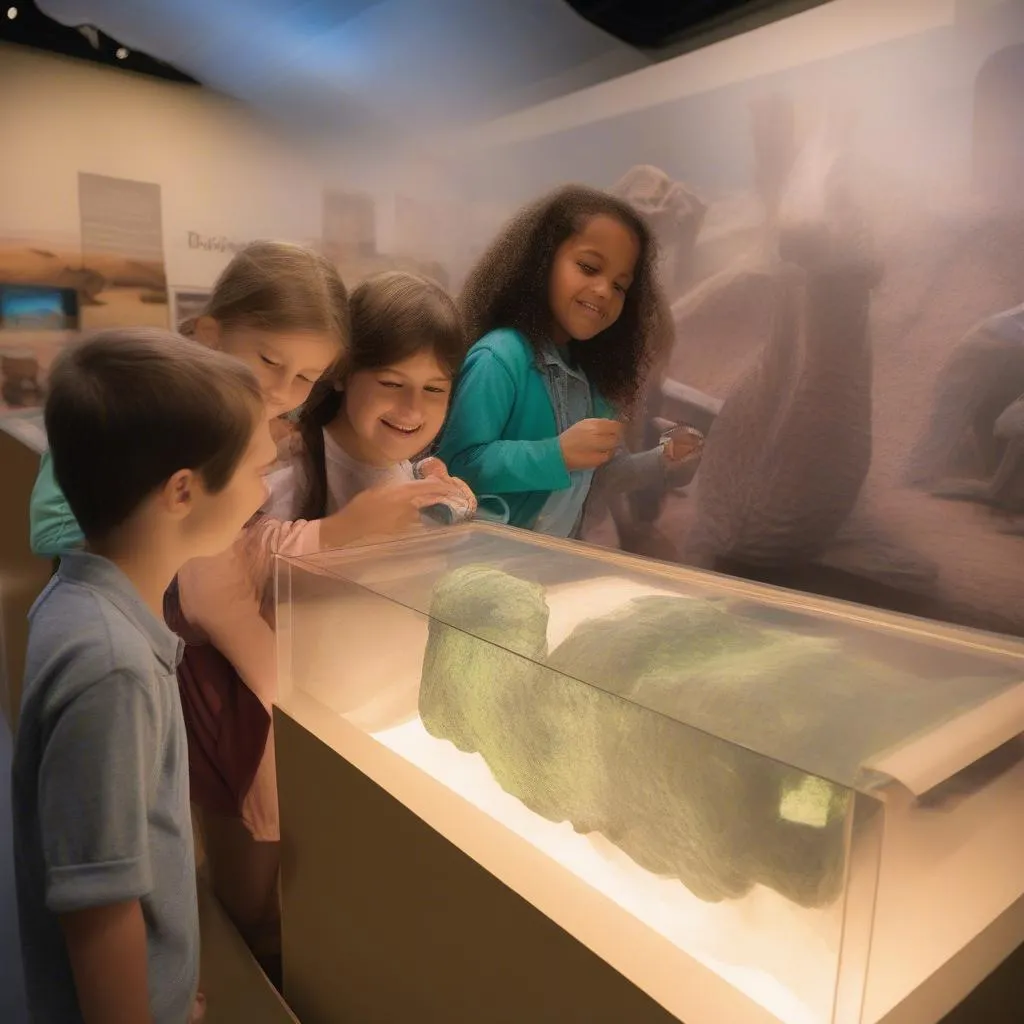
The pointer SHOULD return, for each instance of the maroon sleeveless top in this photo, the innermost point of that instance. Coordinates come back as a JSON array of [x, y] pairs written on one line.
[[226, 724]]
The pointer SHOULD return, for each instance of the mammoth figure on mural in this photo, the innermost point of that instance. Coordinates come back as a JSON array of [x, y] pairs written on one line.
[[973, 446], [790, 450], [789, 444], [676, 216]]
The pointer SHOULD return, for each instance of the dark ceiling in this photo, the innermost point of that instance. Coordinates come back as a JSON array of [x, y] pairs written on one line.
[[409, 68], [663, 26], [23, 23]]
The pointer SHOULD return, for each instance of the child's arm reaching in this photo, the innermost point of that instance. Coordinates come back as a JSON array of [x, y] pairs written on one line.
[[222, 596], [462, 501], [673, 464], [629, 471], [472, 446], [656, 467], [385, 510]]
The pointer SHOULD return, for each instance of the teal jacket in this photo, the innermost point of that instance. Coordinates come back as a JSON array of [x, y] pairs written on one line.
[[53, 529], [501, 436]]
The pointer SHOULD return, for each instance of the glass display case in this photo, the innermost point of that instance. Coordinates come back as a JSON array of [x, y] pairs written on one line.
[[799, 810]]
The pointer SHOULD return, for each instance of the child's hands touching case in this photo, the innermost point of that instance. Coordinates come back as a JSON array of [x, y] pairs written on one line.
[[590, 443], [392, 508], [384, 511], [434, 468]]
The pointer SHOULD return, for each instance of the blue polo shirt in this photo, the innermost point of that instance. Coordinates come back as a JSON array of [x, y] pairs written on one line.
[[100, 787]]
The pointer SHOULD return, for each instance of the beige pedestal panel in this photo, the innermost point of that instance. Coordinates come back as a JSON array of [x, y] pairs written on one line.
[[385, 920], [236, 990]]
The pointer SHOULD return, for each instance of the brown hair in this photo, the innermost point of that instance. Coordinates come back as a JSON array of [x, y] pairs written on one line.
[[274, 286], [395, 315], [510, 285], [128, 408]]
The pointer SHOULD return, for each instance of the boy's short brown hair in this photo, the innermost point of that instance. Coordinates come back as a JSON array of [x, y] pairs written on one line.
[[128, 408]]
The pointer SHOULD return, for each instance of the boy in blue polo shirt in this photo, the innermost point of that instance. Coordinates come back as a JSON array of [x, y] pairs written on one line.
[[158, 444]]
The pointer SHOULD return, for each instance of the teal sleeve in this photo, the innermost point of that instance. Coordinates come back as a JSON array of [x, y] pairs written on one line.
[[53, 529], [472, 445]]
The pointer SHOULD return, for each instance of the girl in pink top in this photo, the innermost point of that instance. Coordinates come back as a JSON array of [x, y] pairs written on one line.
[[283, 311], [363, 426], [360, 431]]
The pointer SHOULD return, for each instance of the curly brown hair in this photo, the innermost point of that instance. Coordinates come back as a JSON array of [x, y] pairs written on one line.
[[509, 287]]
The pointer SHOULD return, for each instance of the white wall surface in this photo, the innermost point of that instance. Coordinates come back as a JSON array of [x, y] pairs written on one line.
[[222, 171]]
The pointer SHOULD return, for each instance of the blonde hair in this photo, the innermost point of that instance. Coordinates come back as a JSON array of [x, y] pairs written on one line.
[[278, 287]]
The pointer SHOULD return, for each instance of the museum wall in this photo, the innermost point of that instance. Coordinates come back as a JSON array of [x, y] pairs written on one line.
[[863, 435], [223, 175], [132, 194], [866, 446]]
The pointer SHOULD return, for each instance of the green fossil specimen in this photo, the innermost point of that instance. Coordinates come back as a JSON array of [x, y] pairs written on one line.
[[677, 799], [612, 754]]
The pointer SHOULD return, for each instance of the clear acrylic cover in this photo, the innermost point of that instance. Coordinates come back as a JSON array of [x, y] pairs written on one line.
[[745, 772]]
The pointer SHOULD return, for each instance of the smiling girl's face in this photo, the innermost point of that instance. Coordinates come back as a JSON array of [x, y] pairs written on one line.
[[591, 274], [286, 365], [394, 413]]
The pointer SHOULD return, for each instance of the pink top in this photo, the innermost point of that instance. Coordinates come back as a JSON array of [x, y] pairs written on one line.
[[223, 597]]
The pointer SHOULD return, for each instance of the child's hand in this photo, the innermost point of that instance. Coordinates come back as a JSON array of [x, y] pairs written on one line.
[[590, 443], [384, 511], [434, 468], [682, 444], [394, 508]]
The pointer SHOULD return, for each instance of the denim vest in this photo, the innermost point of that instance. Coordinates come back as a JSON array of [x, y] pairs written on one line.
[[571, 399]]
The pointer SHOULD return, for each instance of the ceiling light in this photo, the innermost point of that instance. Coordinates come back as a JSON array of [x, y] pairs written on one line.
[[122, 53], [12, 13]]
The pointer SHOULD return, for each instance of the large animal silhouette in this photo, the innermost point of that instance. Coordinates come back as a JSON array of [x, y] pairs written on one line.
[[789, 452]]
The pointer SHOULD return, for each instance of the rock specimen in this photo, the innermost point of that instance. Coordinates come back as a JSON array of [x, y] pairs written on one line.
[[655, 749]]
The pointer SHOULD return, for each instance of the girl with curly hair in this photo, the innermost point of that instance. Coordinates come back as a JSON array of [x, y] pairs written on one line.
[[566, 307]]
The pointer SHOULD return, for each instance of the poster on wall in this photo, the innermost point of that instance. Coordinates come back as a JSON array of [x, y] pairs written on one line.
[[422, 231], [123, 248], [350, 242], [349, 226], [843, 250]]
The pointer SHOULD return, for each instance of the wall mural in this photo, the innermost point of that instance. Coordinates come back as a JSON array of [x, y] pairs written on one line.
[[51, 287], [123, 247], [843, 249], [350, 239]]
